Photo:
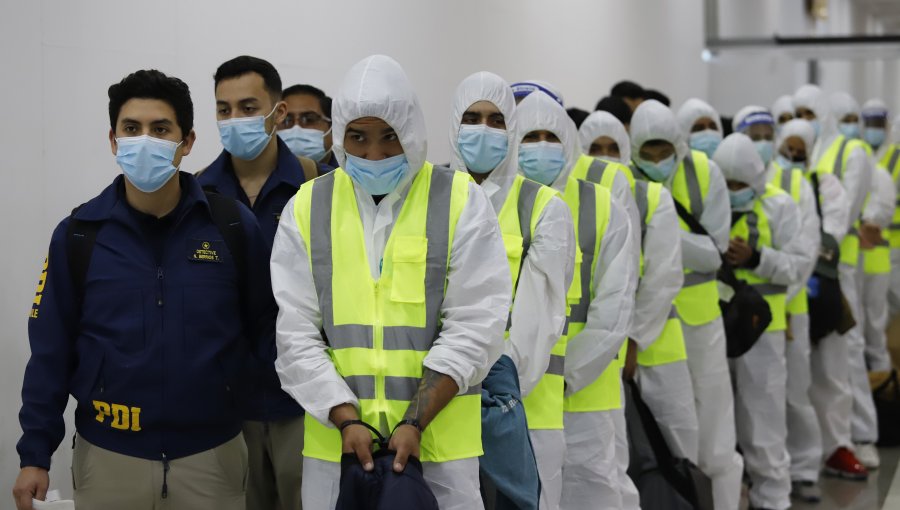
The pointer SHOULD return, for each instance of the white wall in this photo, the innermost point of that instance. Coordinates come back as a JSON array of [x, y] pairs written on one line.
[[58, 58]]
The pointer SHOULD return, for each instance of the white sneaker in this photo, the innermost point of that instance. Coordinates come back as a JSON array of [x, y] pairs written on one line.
[[867, 454]]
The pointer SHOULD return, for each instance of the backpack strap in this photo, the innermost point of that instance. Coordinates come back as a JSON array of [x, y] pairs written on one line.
[[81, 236], [226, 214]]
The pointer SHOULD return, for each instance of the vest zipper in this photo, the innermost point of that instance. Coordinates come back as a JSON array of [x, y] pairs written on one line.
[[378, 346], [165, 484]]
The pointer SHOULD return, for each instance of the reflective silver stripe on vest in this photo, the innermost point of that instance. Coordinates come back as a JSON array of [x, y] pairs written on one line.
[[769, 289], [641, 188], [895, 226], [839, 160], [400, 388], [596, 170], [691, 279], [557, 365], [587, 237], [786, 175], [363, 386], [524, 209], [752, 229], [693, 186], [437, 233], [892, 167]]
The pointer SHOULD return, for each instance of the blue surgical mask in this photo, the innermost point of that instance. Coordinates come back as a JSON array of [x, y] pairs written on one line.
[[542, 161], [765, 148], [657, 172], [482, 148], [146, 161], [377, 177], [874, 136], [849, 129], [741, 199], [245, 137], [309, 143], [706, 141]]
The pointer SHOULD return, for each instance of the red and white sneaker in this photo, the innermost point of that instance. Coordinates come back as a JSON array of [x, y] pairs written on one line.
[[844, 464]]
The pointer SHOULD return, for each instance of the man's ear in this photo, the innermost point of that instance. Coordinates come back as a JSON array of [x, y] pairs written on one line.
[[188, 143], [113, 145]]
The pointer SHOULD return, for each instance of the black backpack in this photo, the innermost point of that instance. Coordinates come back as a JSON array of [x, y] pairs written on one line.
[[82, 234], [747, 315]]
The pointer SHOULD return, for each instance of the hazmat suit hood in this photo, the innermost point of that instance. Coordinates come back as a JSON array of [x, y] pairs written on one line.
[[843, 104], [525, 88], [782, 105], [739, 161], [653, 120], [378, 87], [874, 108], [813, 98], [694, 109], [485, 86], [539, 112], [800, 128], [749, 115], [600, 124]]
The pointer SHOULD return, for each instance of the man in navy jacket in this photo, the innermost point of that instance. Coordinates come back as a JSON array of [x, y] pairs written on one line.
[[153, 296]]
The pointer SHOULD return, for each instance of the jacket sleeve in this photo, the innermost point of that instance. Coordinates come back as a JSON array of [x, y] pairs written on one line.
[[477, 297], [808, 237], [698, 251], [590, 352], [663, 274], [303, 365], [857, 180], [52, 331], [539, 308], [785, 262], [879, 209], [835, 204], [260, 310]]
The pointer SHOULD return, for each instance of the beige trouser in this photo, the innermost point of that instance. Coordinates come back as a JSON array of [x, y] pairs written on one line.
[[106, 480], [275, 451]]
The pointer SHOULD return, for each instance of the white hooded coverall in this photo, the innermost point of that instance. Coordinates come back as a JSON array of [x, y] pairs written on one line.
[[760, 375], [539, 305], [590, 477], [705, 343], [476, 300], [666, 389]]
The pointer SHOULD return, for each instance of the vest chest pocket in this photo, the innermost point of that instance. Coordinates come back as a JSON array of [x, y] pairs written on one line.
[[513, 245], [408, 281]]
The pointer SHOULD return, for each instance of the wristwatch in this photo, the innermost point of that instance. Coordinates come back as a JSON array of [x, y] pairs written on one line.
[[410, 421]]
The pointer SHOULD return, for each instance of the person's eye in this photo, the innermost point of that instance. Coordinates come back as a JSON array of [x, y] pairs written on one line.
[[222, 111], [391, 137], [249, 109], [161, 130], [356, 137]]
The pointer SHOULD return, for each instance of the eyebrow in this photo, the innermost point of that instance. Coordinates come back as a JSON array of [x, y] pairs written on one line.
[[166, 122]]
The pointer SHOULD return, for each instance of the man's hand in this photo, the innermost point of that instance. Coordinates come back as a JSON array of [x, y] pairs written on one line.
[[354, 438], [869, 236], [405, 441], [630, 361], [739, 252], [32, 482]]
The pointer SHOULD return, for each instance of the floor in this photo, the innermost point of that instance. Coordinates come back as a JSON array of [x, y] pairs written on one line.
[[882, 491]]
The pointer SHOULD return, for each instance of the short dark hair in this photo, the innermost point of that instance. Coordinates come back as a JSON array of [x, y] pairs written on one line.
[[152, 84], [616, 106], [627, 89], [577, 115], [304, 89], [239, 66], [657, 95]]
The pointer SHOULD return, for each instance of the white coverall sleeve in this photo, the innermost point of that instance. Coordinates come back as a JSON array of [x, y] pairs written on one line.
[[663, 274], [808, 238], [539, 308], [697, 250], [879, 210], [857, 180], [477, 298], [303, 365], [590, 352], [785, 262], [835, 206]]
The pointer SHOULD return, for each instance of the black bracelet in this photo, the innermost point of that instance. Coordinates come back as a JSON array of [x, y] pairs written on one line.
[[347, 423], [409, 421]]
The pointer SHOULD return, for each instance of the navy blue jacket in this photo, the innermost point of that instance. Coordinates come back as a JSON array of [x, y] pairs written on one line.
[[154, 348], [269, 402]]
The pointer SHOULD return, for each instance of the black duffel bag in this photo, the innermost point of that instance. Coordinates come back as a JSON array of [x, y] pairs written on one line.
[[887, 404], [747, 315]]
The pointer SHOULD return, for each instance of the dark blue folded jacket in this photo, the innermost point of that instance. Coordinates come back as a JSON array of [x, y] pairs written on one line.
[[508, 460]]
